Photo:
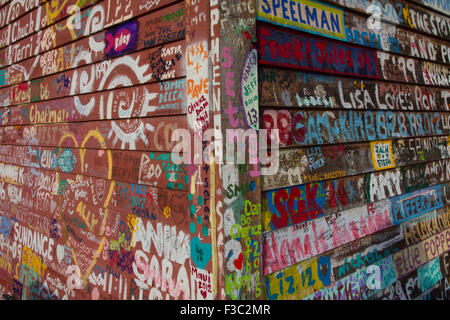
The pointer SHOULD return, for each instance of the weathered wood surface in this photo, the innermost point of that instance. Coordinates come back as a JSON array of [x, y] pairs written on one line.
[[291, 49], [282, 88], [370, 31], [438, 6], [107, 13], [164, 26], [155, 99], [339, 265], [297, 204], [316, 163], [407, 15], [361, 108], [88, 171], [316, 127], [149, 168], [242, 252], [151, 65]]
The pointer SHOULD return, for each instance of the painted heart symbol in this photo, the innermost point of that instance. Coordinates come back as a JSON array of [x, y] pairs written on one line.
[[203, 293], [60, 253], [200, 253], [238, 262], [86, 215], [247, 34], [324, 269]]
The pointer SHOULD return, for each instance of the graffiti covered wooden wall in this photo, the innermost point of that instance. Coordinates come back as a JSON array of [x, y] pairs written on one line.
[[359, 91], [93, 206], [241, 178], [95, 96]]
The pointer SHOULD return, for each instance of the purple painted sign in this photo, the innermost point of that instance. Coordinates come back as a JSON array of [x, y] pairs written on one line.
[[121, 39]]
